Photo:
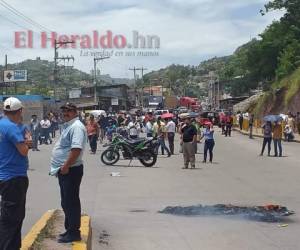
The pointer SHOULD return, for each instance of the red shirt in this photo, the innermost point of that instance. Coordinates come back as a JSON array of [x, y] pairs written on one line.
[[92, 128]]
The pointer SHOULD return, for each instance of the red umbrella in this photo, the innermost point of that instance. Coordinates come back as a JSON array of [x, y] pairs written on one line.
[[167, 116], [207, 123]]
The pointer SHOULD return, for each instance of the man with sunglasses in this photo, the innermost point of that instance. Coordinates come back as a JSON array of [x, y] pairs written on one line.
[[67, 165]]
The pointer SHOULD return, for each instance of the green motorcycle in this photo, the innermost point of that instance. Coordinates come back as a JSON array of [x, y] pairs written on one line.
[[143, 149]]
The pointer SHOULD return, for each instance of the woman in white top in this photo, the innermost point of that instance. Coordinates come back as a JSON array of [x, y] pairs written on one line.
[[170, 129]]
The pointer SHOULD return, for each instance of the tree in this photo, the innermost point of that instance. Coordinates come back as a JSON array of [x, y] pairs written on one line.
[[292, 8], [289, 60]]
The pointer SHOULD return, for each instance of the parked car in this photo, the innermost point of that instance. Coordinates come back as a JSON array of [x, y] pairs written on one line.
[[96, 113], [182, 110], [160, 112]]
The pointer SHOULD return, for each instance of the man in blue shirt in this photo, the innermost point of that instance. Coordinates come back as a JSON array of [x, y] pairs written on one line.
[[66, 163], [15, 142]]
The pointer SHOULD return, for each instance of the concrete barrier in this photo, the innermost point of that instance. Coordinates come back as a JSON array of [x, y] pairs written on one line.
[[33, 238], [260, 135], [86, 235]]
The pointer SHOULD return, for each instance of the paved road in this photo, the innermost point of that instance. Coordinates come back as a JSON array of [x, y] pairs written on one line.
[[126, 207]]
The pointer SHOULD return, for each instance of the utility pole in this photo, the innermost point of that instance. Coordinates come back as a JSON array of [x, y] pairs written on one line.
[[150, 90], [3, 75], [5, 62], [142, 69], [219, 97], [96, 60], [57, 45], [137, 101]]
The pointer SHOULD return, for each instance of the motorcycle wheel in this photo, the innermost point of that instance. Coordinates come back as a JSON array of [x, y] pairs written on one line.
[[110, 157], [149, 159]]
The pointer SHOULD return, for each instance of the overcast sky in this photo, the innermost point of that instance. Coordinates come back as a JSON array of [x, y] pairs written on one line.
[[189, 31]]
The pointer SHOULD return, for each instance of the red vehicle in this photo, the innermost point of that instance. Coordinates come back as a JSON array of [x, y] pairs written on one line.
[[209, 117], [190, 103]]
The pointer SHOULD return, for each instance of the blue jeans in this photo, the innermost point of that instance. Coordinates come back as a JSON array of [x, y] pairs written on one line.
[[209, 146], [35, 140], [149, 135], [265, 142], [163, 146], [277, 143], [93, 143]]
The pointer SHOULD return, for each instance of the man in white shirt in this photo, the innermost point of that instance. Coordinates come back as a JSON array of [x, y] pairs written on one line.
[[170, 129], [134, 129], [67, 164], [45, 130], [45, 123], [149, 128]]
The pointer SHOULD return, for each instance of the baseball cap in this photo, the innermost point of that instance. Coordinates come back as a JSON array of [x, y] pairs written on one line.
[[69, 106], [12, 104]]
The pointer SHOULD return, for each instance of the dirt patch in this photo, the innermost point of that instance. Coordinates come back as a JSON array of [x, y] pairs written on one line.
[[274, 103], [279, 105], [49, 240], [104, 238], [295, 104]]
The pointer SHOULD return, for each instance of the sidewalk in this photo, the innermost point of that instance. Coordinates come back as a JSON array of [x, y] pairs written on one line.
[[256, 133]]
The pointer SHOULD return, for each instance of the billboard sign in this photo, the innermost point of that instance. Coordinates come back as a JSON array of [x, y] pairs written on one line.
[[74, 93], [15, 76], [114, 101]]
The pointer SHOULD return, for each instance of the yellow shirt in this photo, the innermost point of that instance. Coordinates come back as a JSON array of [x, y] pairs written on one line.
[[277, 132], [160, 130]]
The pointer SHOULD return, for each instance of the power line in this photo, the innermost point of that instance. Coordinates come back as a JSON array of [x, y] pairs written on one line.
[[13, 51], [13, 22], [18, 25], [21, 15]]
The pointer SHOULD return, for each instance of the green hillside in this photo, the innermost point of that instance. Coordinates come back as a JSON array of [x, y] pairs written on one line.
[[183, 79]]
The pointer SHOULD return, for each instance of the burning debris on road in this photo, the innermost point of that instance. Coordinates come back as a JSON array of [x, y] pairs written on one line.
[[269, 213]]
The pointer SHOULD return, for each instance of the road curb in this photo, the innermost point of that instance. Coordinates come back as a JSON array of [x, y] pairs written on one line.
[[256, 135], [246, 133], [86, 235], [31, 238]]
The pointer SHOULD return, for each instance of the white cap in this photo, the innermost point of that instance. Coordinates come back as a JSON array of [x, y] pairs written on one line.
[[12, 104]]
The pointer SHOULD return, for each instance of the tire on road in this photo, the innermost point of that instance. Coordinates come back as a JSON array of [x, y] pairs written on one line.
[[110, 157], [152, 158]]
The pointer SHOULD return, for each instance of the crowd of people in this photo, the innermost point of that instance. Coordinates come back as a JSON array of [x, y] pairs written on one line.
[[130, 126], [44, 131], [275, 130], [226, 122], [290, 122], [76, 129], [280, 127], [164, 128]]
